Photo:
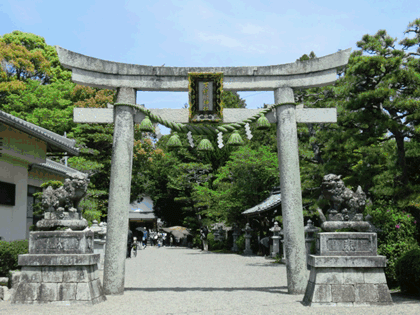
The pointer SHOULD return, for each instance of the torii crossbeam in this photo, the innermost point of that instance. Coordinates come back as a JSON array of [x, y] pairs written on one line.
[[128, 78]]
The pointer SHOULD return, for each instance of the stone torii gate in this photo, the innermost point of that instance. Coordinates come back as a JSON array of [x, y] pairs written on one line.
[[129, 78]]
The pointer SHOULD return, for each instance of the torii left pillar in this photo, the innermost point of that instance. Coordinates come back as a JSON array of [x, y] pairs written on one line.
[[119, 192]]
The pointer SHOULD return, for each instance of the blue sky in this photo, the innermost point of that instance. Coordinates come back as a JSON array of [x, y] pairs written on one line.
[[205, 33]]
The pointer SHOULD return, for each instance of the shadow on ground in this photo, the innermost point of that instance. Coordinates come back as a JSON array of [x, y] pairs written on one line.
[[281, 290], [401, 298]]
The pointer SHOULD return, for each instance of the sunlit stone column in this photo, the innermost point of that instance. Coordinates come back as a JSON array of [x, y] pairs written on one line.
[[291, 193], [119, 193]]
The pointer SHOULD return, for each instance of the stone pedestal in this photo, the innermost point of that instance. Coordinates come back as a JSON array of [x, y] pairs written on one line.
[[235, 237], [60, 268], [347, 271], [248, 250]]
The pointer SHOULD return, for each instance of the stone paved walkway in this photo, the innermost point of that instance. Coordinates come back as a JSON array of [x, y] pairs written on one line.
[[187, 281]]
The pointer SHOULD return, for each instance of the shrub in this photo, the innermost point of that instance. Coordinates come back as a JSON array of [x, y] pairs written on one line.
[[240, 242], [197, 241], [397, 237], [9, 252], [407, 270], [213, 244]]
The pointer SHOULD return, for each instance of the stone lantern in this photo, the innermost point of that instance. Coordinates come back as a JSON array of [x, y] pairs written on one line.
[[221, 234], [276, 239], [235, 234], [216, 234], [247, 230]]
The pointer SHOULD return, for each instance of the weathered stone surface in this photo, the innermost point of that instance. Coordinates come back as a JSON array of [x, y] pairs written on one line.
[[52, 274], [57, 260], [119, 195], [84, 292], [7, 293], [322, 293], [48, 292], [67, 291], [347, 244], [331, 226], [293, 224], [14, 278], [61, 242], [52, 224], [76, 274], [384, 297], [342, 293], [107, 74], [353, 275], [375, 275], [93, 272], [350, 261], [97, 288], [31, 274], [329, 276], [26, 292], [346, 207], [366, 293]]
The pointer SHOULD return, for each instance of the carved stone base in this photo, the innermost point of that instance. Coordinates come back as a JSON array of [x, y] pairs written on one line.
[[347, 281], [60, 268], [331, 226], [53, 224], [59, 285], [347, 271]]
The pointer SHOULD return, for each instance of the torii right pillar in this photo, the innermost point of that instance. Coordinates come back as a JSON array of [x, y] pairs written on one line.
[[291, 192]]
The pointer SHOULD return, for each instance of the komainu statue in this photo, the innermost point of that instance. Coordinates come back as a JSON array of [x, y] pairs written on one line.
[[66, 197], [61, 205], [346, 207]]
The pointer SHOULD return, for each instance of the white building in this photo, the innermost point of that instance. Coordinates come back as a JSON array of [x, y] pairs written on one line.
[[23, 168]]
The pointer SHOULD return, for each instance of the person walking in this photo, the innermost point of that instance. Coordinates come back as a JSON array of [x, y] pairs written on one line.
[[203, 236], [160, 239], [130, 240], [144, 238], [164, 239], [265, 246]]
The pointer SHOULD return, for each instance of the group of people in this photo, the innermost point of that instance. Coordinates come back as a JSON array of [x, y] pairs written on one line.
[[156, 238]]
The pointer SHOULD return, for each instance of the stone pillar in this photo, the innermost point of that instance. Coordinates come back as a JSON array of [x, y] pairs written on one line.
[[216, 235], [235, 235], [276, 239], [291, 193], [119, 193], [221, 234], [248, 230]]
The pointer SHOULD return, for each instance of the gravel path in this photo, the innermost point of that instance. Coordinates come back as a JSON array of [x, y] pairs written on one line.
[[188, 281]]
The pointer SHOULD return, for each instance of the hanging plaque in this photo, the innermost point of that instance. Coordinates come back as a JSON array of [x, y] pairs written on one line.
[[205, 97]]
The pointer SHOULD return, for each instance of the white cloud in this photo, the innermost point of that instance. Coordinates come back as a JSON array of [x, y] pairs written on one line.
[[220, 39], [251, 29]]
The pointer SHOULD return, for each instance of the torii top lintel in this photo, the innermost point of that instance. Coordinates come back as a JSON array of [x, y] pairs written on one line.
[[108, 74]]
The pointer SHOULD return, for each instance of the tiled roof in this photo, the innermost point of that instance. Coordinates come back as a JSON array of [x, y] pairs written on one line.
[[57, 167], [268, 204], [55, 142]]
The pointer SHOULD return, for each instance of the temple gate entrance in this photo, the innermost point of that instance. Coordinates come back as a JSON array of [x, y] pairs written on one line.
[[127, 79]]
